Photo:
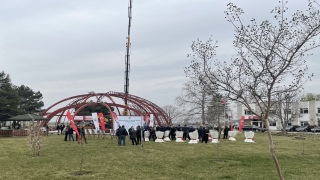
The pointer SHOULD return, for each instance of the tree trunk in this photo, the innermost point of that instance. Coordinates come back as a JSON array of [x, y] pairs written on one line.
[[273, 154]]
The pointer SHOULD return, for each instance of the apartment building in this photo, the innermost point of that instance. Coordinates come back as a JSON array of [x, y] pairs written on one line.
[[300, 113]]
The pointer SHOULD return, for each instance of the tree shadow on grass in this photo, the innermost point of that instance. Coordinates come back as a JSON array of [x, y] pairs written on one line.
[[80, 173]]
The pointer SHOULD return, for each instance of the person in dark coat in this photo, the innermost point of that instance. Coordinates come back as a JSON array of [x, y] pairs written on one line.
[[129, 130], [70, 133], [205, 134], [83, 134], [138, 135], [58, 129], [162, 129], [133, 136], [178, 128], [78, 128], [122, 136], [200, 130], [62, 128], [157, 128], [152, 134], [185, 132], [225, 132], [117, 132], [172, 133], [65, 130], [47, 130]]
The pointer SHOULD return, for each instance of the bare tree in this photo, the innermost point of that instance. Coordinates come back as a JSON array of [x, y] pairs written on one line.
[[270, 57], [286, 105], [172, 112], [217, 110], [193, 101]]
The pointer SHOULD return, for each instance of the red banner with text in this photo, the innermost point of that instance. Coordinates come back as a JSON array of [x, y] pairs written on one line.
[[73, 125], [101, 118], [241, 123]]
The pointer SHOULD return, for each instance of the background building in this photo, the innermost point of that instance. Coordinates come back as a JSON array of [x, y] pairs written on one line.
[[299, 113]]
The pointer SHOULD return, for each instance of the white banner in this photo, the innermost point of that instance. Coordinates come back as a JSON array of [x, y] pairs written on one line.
[[128, 121], [151, 120], [95, 120], [79, 118]]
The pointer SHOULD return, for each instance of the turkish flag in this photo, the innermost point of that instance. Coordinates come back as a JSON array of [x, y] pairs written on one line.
[[114, 117], [146, 118], [73, 125], [101, 118]]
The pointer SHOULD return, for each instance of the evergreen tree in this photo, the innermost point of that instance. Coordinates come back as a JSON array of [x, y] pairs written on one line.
[[9, 99], [29, 101]]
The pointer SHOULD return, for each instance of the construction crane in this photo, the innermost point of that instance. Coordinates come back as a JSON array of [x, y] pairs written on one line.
[[127, 60]]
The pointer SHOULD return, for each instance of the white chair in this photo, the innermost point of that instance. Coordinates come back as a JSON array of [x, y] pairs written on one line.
[[159, 135], [210, 138], [197, 137], [232, 134], [146, 136], [166, 135], [214, 136], [193, 137], [249, 136], [179, 135]]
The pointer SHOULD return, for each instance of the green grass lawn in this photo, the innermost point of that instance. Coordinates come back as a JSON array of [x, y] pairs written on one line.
[[104, 159]]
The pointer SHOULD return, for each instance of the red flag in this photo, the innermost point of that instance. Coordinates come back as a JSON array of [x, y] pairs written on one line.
[[146, 118], [73, 125], [101, 121], [241, 123], [223, 101], [114, 117]]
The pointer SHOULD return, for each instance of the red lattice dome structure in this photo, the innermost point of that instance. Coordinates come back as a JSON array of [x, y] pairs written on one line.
[[137, 106]]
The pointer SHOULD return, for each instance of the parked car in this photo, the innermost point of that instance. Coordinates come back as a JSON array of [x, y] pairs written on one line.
[[305, 128], [292, 128], [252, 128], [316, 129]]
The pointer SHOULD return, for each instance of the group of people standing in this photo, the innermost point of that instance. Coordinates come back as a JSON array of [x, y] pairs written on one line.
[[68, 132], [60, 128], [136, 134]]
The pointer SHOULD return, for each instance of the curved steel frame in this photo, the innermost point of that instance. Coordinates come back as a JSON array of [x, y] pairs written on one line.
[[136, 106]]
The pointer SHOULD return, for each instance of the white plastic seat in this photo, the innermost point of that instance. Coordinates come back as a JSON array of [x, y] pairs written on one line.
[[249, 136], [159, 135], [166, 135], [232, 134], [146, 136], [214, 135], [197, 135], [210, 138], [193, 137], [179, 135]]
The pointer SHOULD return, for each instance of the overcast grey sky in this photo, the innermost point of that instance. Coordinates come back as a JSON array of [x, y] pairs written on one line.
[[65, 48]]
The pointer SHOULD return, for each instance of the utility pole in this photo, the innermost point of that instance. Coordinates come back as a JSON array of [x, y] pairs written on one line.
[[127, 61]]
